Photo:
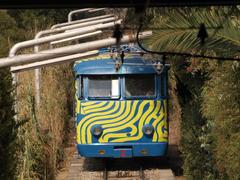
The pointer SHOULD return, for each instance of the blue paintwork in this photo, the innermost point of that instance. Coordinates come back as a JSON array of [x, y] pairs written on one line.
[[107, 66], [133, 65], [132, 149]]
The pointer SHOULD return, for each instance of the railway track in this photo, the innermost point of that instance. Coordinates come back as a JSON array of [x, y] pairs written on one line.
[[108, 174], [126, 175], [115, 169]]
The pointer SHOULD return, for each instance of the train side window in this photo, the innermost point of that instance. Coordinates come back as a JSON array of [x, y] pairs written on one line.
[[104, 86], [162, 86], [80, 87], [140, 86]]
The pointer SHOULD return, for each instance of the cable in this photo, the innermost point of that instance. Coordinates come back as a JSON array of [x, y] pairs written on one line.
[[165, 53]]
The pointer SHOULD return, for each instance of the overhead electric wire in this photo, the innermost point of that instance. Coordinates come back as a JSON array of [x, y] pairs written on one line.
[[165, 53]]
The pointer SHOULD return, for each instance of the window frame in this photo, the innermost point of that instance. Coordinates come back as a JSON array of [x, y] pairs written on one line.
[[140, 97], [106, 97]]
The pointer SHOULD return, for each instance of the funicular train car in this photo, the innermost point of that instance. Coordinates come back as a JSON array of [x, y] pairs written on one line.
[[121, 113]]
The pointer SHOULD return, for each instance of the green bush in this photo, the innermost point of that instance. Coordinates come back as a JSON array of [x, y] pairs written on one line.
[[8, 125], [221, 106], [8, 128]]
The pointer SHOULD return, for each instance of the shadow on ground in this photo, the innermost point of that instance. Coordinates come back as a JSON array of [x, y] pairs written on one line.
[[171, 161]]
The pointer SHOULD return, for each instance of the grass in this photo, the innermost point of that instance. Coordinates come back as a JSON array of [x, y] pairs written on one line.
[[45, 132]]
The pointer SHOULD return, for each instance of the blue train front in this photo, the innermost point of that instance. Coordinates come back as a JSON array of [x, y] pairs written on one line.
[[121, 113]]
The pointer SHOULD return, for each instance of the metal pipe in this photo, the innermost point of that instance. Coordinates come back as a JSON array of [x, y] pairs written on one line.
[[56, 37], [95, 10], [39, 40], [81, 21], [54, 61], [75, 26], [42, 33], [84, 24], [83, 10], [77, 11], [37, 73], [64, 51], [76, 37]]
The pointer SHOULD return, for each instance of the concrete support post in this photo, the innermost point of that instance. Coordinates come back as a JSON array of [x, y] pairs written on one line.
[[14, 94], [37, 86], [37, 81]]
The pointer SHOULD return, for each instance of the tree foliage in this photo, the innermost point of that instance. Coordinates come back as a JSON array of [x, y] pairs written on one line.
[[177, 31], [32, 21], [208, 89], [8, 125], [31, 145], [221, 106]]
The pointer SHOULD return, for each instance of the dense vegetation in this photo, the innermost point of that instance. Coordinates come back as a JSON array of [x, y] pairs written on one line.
[[31, 146], [8, 126], [32, 143], [32, 140], [208, 89]]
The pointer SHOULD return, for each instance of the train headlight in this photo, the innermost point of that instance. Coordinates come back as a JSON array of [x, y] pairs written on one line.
[[148, 129], [96, 130]]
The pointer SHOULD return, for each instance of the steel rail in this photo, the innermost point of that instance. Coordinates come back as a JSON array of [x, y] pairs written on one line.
[[105, 173], [141, 173]]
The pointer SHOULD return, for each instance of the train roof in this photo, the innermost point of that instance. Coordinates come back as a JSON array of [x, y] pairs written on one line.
[[131, 65]]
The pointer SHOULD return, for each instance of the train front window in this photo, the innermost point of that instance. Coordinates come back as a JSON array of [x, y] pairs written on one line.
[[140, 86], [103, 87]]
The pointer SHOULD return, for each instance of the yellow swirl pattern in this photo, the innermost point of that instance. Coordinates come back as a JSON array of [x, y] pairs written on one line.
[[122, 121]]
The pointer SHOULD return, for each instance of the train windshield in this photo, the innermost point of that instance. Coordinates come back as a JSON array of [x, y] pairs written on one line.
[[140, 86], [103, 87]]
